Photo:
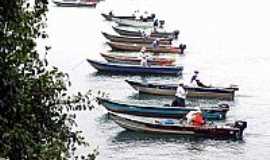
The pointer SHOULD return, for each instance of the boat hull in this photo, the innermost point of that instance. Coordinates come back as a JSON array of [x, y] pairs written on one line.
[[156, 126], [152, 34], [133, 23], [135, 69], [136, 61], [114, 38], [132, 47], [74, 4], [193, 92], [211, 113]]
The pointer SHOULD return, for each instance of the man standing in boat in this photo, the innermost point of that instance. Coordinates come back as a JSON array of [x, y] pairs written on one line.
[[180, 95], [144, 58], [195, 81]]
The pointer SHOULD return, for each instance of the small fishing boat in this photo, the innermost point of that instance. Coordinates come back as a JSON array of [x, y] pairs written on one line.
[[75, 3], [134, 23], [135, 47], [155, 34], [232, 131], [144, 40], [135, 69], [136, 60], [194, 92], [211, 113], [109, 17]]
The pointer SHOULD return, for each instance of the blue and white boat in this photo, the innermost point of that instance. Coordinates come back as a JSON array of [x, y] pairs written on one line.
[[135, 69], [210, 113]]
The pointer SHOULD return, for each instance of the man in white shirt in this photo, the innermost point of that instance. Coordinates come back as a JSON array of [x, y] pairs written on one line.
[[180, 95]]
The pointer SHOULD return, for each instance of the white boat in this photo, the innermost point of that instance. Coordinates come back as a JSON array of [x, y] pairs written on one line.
[[134, 22], [75, 3]]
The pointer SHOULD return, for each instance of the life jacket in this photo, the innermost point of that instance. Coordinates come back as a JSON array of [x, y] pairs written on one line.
[[197, 119]]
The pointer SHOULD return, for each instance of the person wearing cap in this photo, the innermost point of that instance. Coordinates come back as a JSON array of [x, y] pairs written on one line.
[[180, 95], [196, 82], [195, 117]]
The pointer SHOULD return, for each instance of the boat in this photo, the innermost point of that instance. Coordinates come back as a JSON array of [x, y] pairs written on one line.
[[75, 3], [225, 93], [146, 40], [136, 47], [210, 113], [109, 17], [134, 23], [233, 131], [136, 60], [135, 69], [154, 34]]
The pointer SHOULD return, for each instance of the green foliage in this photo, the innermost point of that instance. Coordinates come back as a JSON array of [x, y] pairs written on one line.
[[35, 122]]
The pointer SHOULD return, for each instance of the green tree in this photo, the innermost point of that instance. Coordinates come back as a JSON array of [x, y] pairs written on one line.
[[35, 122]]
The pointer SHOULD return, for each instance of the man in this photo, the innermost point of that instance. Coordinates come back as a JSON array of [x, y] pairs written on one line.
[[195, 117], [180, 95], [144, 58], [155, 43], [196, 82]]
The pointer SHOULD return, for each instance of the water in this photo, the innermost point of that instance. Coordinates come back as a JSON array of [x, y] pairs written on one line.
[[227, 41]]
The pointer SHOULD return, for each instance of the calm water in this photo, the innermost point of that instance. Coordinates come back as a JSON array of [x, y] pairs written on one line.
[[227, 41]]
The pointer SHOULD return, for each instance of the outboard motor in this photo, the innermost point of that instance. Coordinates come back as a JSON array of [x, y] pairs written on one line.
[[224, 106], [110, 13], [153, 16], [241, 125], [161, 23], [182, 47], [175, 34]]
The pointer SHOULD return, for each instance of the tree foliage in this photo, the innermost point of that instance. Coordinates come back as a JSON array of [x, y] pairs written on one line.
[[34, 104]]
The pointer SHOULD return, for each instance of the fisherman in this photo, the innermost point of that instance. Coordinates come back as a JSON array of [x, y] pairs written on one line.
[[196, 82], [195, 117], [155, 43], [155, 24], [180, 95], [144, 57]]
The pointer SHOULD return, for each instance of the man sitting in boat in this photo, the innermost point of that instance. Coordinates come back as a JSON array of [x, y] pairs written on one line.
[[196, 82], [195, 117], [144, 58], [155, 43], [180, 95]]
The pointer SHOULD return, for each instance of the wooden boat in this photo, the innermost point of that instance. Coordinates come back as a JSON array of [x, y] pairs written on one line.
[[135, 47], [75, 3], [134, 23], [154, 34], [210, 113], [109, 17], [194, 92], [135, 69], [135, 60], [232, 131], [114, 38]]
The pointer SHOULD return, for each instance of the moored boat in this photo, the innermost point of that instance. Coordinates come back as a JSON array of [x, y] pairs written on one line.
[[135, 60], [211, 113], [135, 69], [146, 40], [109, 17], [134, 47], [134, 23], [155, 34], [194, 92], [75, 3], [232, 131]]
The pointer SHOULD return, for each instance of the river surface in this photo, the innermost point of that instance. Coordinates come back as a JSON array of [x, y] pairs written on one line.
[[227, 41]]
